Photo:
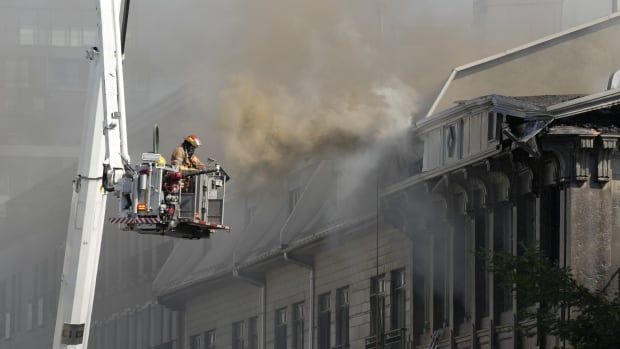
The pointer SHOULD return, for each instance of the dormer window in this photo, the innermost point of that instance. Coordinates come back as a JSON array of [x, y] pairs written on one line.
[[491, 126], [451, 141]]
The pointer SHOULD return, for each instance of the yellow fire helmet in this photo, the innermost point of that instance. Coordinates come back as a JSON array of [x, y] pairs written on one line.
[[161, 161]]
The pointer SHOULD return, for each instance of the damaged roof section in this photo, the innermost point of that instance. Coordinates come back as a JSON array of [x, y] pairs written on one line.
[[551, 86], [545, 101], [573, 130], [477, 128]]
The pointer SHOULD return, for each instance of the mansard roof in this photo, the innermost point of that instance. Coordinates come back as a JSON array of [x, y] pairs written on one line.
[[273, 230]]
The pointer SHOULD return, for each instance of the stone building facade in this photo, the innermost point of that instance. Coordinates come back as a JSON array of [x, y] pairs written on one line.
[[497, 173], [295, 280], [319, 269], [501, 174]]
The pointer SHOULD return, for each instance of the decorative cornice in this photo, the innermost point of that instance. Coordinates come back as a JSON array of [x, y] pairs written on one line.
[[524, 178], [608, 145], [583, 157]]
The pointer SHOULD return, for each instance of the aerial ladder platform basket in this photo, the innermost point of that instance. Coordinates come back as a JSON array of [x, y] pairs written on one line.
[[160, 199]]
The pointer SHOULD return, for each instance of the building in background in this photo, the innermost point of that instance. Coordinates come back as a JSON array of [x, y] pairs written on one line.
[[29, 291], [493, 17], [43, 84], [43, 78]]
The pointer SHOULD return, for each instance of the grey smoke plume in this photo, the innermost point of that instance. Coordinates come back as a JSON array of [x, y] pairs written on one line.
[[313, 79], [281, 81], [271, 129]]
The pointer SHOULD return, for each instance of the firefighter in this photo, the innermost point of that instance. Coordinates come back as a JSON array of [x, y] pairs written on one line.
[[183, 155]]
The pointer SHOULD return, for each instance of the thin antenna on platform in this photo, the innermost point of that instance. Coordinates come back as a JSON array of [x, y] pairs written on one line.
[[377, 224]]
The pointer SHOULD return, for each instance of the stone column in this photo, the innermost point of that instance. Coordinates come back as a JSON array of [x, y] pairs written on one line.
[[588, 214]]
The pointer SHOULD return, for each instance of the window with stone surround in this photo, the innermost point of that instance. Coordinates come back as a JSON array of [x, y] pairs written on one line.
[[280, 335], [342, 317], [482, 243], [502, 241], [324, 321], [397, 299], [195, 341], [253, 332], [377, 305], [238, 335], [210, 339], [298, 326]]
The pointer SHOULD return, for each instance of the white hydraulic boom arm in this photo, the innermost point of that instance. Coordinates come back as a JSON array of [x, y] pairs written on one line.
[[102, 164]]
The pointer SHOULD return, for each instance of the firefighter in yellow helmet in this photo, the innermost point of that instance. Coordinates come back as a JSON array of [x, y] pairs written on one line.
[[183, 155]]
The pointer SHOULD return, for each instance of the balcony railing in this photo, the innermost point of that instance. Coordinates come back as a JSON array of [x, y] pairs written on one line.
[[168, 345], [615, 275], [394, 339]]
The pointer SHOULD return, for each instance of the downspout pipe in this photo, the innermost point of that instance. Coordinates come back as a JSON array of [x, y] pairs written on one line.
[[262, 303], [309, 265]]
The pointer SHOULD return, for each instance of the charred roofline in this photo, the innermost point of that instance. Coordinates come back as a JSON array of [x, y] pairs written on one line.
[[516, 107], [578, 106], [596, 101]]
